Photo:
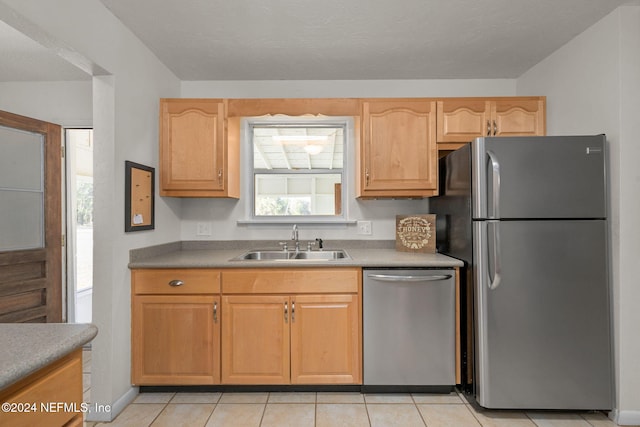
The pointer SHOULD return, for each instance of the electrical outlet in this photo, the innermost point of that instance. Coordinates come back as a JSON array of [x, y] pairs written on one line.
[[203, 229], [364, 227]]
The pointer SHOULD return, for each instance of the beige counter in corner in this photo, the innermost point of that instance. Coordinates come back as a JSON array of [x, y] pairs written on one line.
[[28, 347]]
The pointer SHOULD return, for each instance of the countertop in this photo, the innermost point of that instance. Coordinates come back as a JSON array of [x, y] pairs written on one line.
[[216, 255], [27, 347]]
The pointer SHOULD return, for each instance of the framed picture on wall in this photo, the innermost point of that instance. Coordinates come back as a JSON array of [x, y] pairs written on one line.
[[139, 203]]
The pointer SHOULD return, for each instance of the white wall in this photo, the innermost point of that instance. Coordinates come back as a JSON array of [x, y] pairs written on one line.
[[65, 103], [223, 214], [592, 86], [125, 121], [347, 88]]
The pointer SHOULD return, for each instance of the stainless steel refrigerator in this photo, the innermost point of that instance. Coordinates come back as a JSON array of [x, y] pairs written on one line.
[[528, 215]]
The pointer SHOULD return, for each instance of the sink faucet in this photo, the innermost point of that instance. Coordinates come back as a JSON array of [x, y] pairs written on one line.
[[294, 237]]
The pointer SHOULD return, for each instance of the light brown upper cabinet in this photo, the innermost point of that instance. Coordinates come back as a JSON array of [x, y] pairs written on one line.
[[398, 154], [461, 120], [197, 157]]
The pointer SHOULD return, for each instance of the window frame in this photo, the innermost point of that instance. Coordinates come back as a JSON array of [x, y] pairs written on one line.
[[249, 172]]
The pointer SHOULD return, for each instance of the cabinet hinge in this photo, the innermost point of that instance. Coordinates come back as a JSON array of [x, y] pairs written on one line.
[[62, 151], [64, 240]]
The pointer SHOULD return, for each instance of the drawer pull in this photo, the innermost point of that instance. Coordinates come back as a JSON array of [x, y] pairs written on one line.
[[176, 283]]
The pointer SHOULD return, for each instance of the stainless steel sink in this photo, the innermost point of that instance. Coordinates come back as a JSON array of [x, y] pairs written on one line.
[[322, 255], [276, 255]]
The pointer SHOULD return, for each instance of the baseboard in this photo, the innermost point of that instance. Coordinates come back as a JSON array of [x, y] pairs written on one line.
[[625, 418], [109, 413]]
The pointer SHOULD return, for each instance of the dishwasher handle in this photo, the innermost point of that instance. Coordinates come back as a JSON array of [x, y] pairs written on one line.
[[408, 278]]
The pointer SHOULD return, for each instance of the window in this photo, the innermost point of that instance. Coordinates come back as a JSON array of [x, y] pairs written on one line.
[[297, 169]]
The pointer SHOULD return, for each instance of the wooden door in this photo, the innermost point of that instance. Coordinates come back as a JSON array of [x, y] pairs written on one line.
[[518, 117], [399, 154], [192, 149], [462, 120], [176, 340], [255, 339], [30, 220], [325, 343]]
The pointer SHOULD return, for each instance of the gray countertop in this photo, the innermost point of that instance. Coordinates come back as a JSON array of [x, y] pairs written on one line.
[[219, 255], [27, 347]]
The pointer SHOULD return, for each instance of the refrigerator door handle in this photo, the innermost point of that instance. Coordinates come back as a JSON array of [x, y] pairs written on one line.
[[495, 183], [495, 254]]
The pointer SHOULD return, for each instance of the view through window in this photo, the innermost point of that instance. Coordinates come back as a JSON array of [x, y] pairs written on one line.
[[298, 169]]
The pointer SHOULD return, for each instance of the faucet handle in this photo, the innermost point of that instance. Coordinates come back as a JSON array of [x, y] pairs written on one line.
[[284, 245], [310, 245]]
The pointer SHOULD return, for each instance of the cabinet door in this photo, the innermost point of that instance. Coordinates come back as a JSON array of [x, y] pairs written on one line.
[[192, 146], [176, 340], [518, 117], [398, 153], [325, 343], [255, 339], [462, 120]]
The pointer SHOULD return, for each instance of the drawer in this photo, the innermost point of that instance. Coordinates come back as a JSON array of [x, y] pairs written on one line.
[[194, 281], [291, 280]]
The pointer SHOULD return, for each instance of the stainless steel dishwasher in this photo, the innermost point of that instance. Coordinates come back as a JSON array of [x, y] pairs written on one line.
[[408, 329]]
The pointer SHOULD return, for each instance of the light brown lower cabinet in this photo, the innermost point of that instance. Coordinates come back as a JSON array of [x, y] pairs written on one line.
[[292, 326], [325, 343], [175, 327], [51, 396], [297, 339], [246, 326]]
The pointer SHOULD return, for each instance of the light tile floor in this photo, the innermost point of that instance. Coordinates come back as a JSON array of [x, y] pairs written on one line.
[[325, 410]]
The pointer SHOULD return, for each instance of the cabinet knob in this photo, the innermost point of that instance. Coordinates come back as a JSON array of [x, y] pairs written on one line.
[[176, 283]]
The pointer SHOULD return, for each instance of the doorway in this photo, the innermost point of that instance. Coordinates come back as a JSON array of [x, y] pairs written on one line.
[[79, 190]]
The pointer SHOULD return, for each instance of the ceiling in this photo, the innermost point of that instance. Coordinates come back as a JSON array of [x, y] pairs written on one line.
[[330, 39], [26, 60], [348, 39]]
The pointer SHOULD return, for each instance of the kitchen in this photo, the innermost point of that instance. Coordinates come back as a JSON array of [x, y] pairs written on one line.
[[582, 96]]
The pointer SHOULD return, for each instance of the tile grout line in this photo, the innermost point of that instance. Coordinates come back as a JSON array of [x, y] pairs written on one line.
[[264, 409], [215, 405], [419, 411], [159, 413]]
